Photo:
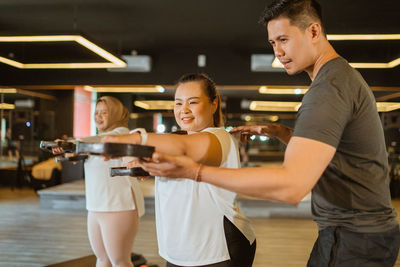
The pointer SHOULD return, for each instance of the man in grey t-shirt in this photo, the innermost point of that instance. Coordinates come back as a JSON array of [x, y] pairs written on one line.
[[340, 110], [337, 149]]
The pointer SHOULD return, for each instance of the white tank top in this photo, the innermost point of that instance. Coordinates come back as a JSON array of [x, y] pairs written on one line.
[[105, 193], [190, 215]]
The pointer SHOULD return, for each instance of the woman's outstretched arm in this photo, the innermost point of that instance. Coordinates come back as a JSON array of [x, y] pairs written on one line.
[[202, 147]]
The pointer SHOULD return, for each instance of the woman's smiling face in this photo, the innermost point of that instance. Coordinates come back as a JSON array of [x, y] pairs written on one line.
[[193, 109], [101, 116]]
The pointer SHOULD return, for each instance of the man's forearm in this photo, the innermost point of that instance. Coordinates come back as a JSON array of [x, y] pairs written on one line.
[[266, 183], [305, 161]]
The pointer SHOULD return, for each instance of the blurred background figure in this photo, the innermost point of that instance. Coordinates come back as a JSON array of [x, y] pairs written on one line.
[[244, 149], [12, 146]]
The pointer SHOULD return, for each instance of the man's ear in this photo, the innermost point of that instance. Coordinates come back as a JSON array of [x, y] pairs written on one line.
[[315, 31]]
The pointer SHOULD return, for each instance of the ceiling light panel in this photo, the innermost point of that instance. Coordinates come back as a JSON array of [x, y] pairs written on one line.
[[274, 106], [155, 104], [7, 106], [279, 90], [387, 106], [278, 106], [359, 37], [8, 90], [113, 62], [126, 89]]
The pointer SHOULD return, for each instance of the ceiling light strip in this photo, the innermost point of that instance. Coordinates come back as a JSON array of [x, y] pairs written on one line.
[[127, 89], [155, 104], [394, 63], [362, 37], [69, 66], [8, 90], [274, 106], [389, 65], [39, 38], [387, 106], [12, 62], [294, 106], [101, 52], [282, 90], [7, 106]]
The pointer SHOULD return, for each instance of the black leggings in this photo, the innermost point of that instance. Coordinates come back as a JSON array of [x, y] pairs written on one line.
[[240, 250]]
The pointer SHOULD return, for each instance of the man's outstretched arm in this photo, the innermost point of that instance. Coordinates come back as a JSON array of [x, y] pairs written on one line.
[[304, 162]]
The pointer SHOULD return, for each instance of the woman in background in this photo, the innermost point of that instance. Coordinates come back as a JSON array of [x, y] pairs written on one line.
[[114, 204]]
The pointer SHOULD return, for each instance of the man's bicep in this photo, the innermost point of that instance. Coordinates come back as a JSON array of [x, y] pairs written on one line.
[[306, 159]]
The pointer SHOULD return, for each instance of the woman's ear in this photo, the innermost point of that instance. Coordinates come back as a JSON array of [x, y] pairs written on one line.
[[215, 104]]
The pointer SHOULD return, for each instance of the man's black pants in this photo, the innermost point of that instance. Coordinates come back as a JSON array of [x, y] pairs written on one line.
[[337, 246]]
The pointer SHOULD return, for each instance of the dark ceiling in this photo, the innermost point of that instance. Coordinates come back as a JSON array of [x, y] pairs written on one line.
[[174, 32]]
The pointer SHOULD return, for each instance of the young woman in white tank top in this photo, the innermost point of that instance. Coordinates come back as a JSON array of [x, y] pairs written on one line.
[[198, 224]]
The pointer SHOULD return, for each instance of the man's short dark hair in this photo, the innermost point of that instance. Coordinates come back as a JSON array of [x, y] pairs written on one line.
[[301, 13]]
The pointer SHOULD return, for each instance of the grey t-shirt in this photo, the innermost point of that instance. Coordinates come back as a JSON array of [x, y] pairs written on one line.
[[339, 109]]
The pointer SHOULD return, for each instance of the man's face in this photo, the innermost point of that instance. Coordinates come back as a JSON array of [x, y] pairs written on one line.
[[292, 46]]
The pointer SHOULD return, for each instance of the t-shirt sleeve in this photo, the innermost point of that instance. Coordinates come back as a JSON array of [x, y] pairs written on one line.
[[323, 114]]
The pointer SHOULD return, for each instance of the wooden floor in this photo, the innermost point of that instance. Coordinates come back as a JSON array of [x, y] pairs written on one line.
[[30, 236]]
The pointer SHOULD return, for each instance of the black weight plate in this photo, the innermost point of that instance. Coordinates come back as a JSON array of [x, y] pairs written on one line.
[[89, 148], [68, 147], [122, 171], [115, 149]]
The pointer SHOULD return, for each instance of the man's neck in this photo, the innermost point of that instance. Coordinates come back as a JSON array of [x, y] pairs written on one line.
[[327, 54]]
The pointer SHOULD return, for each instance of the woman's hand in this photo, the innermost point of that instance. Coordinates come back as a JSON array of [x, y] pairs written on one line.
[[271, 130], [57, 150]]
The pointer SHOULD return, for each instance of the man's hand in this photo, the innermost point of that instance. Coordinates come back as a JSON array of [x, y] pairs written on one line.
[[170, 166], [271, 130], [130, 162]]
